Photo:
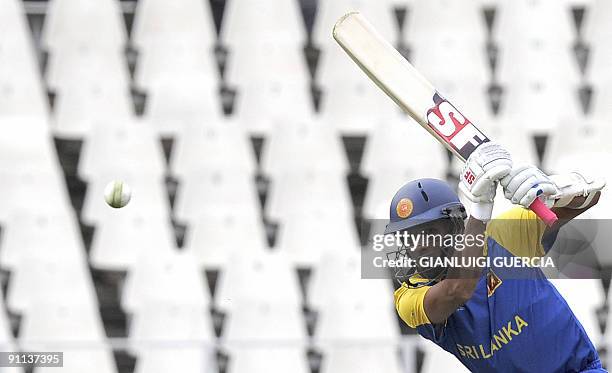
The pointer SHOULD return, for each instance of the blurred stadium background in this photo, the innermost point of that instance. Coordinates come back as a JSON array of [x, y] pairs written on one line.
[[257, 154]]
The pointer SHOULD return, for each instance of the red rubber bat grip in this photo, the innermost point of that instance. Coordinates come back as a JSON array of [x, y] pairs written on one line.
[[541, 210]]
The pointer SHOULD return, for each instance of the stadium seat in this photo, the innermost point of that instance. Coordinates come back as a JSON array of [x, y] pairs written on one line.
[[574, 146], [279, 63], [349, 344], [350, 103], [87, 66], [52, 279], [121, 240], [189, 20], [26, 141], [266, 65], [540, 107], [249, 24], [159, 326], [22, 92], [81, 108], [362, 357], [58, 327], [402, 144], [601, 105], [263, 359], [380, 14], [30, 169], [461, 21], [257, 279], [326, 191], [397, 152], [7, 342], [408, 348], [182, 104], [121, 148], [210, 237], [261, 104], [42, 192], [56, 236], [221, 146], [170, 59], [168, 277], [382, 322], [272, 85], [438, 360], [72, 24], [549, 20], [262, 321], [305, 237], [13, 24], [205, 192], [340, 273], [301, 141], [179, 359], [597, 33], [548, 62]]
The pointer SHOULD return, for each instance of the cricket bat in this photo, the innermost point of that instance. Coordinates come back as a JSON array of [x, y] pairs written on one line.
[[413, 93]]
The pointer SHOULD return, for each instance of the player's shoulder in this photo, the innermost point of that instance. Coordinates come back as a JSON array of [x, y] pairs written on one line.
[[519, 231], [409, 303]]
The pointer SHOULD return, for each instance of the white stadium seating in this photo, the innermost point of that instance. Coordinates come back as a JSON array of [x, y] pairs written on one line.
[[207, 237], [380, 13], [259, 158], [256, 278], [454, 20], [72, 24], [53, 327], [219, 146], [120, 241], [549, 20], [170, 277], [156, 20], [262, 359]]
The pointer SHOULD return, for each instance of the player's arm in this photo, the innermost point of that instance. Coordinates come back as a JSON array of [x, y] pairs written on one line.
[[446, 296], [577, 193], [570, 194], [478, 184]]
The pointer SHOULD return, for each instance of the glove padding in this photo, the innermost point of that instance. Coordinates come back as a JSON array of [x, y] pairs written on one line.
[[488, 164], [526, 183], [575, 184]]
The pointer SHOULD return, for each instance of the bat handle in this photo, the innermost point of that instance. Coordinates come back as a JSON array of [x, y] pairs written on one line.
[[541, 210]]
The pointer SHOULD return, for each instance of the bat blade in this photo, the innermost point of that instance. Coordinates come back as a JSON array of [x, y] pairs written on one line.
[[406, 86], [412, 92]]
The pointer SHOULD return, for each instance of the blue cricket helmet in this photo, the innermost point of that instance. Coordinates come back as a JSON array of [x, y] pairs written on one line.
[[422, 201]]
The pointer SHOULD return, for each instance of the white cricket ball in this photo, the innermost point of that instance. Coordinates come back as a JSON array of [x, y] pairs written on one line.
[[117, 194]]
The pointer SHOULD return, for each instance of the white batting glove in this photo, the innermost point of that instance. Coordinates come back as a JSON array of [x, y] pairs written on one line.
[[526, 183], [488, 164], [574, 184]]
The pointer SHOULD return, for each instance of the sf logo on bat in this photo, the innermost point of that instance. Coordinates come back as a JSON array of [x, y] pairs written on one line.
[[453, 127]]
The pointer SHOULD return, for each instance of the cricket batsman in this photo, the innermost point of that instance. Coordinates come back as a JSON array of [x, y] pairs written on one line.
[[490, 319]]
